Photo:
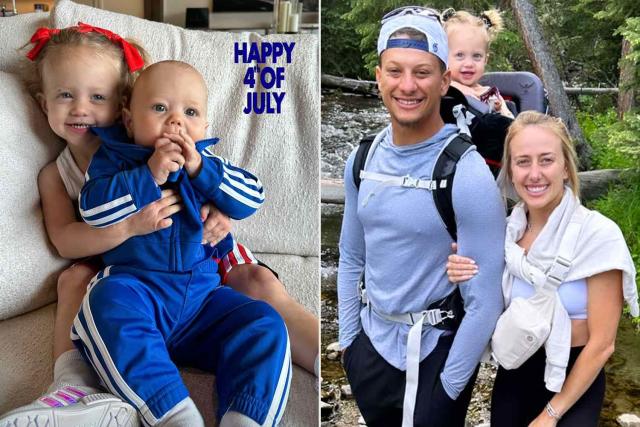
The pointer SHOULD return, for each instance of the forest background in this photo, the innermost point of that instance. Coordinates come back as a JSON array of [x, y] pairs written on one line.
[[592, 43]]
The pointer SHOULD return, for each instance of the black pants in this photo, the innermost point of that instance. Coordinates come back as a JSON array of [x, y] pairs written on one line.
[[519, 395], [379, 387]]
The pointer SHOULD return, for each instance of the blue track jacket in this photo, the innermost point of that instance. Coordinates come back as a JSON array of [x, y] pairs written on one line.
[[119, 183]]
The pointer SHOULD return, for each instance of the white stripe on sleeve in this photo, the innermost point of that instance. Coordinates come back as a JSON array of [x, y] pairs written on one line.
[[240, 186], [105, 207], [239, 197], [253, 182], [120, 215]]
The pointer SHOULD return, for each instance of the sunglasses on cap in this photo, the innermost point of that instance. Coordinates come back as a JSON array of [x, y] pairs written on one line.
[[427, 12]]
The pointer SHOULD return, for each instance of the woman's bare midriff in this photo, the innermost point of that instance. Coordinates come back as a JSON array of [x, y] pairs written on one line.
[[579, 332]]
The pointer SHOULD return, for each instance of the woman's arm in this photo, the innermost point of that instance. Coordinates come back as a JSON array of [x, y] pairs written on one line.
[[604, 307], [74, 239]]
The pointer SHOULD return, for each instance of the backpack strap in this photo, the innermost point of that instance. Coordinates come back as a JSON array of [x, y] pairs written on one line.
[[361, 158], [463, 118], [561, 265], [444, 171]]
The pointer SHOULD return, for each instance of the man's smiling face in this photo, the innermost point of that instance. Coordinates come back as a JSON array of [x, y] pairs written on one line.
[[411, 83]]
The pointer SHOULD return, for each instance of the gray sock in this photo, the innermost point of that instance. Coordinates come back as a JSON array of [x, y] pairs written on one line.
[[71, 369], [236, 419], [184, 414]]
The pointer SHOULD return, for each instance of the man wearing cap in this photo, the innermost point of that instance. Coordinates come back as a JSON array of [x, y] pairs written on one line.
[[403, 367]]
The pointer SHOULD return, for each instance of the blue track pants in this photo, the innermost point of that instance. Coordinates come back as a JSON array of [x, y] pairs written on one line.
[[136, 325]]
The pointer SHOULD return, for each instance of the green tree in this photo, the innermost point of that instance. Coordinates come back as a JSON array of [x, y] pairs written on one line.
[[631, 31], [584, 35], [341, 54], [508, 52]]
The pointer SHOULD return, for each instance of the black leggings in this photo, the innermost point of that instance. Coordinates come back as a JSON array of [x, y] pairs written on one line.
[[519, 395], [379, 387]]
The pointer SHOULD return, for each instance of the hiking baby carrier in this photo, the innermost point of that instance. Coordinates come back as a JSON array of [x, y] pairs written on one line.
[[486, 129], [522, 88]]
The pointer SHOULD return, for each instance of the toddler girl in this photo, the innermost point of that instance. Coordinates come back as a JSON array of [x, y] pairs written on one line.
[[469, 39]]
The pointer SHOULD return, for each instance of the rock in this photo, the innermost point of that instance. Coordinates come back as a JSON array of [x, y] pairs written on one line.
[[330, 394], [361, 421], [326, 410], [346, 391], [628, 420], [333, 347], [334, 355]]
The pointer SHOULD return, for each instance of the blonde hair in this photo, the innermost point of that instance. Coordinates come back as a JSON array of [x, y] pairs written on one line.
[[71, 37], [555, 126], [489, 21]]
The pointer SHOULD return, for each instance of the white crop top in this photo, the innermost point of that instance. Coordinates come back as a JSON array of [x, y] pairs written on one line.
[[572, 294]]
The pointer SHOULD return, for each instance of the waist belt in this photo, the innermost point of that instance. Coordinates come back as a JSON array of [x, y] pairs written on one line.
[[427, 317], [445, 314]]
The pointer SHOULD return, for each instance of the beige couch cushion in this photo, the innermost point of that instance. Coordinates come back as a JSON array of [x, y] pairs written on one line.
[[28, 264], [282, 149], [15, 32], [26, 367]]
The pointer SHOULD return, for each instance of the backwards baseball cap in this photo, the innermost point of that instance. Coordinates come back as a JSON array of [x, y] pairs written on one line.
[[422, 19]]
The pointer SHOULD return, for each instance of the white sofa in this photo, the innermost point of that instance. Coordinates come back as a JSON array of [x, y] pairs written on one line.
[[281, 149]]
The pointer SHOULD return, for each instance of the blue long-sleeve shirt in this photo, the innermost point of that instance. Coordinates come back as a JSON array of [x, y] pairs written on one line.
[[118, 183], [397, 236]]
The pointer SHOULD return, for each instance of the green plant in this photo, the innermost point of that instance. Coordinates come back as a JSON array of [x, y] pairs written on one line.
[[631, 31], [341, 54], [614, 143]]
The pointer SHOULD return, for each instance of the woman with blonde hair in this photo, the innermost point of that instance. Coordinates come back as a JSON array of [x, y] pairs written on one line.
[[563, 382]]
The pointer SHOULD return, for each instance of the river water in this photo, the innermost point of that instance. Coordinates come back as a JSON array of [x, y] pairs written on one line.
[[345, 119]]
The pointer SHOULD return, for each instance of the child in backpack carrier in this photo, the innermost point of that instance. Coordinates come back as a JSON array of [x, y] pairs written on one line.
[[469, 39]]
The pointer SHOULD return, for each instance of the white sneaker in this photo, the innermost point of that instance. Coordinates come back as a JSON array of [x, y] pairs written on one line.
[[72, 406]]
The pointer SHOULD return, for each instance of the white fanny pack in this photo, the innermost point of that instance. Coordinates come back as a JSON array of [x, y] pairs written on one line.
[[525, 325]]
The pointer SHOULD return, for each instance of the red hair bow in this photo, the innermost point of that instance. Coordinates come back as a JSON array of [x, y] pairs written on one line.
[[131, 55], [41, 37]]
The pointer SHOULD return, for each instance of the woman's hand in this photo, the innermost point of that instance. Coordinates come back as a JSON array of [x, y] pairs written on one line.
[[543, 420], [155, 216], [216, 224], [460, 268]]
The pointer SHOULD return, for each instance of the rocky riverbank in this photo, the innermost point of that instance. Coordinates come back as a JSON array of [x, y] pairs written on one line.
[[338, 407]]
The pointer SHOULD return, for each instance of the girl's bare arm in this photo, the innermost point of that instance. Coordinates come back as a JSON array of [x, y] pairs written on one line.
[[75, 239]]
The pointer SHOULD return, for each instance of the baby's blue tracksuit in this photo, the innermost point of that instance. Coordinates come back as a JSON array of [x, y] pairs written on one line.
[[159, 302]]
